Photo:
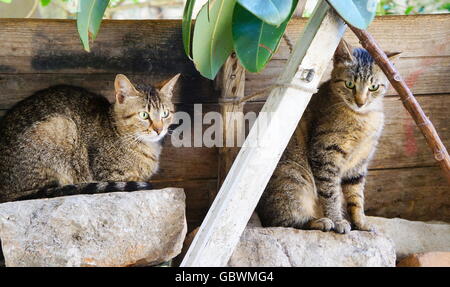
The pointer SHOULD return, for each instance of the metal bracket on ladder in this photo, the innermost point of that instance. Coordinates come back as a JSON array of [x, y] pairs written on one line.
[[226, 219]]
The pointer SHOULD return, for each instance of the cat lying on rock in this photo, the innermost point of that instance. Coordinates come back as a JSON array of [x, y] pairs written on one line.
[[65, 140]]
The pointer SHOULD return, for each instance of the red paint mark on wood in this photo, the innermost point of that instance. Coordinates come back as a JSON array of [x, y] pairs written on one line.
[[410, 143], [412, 78]]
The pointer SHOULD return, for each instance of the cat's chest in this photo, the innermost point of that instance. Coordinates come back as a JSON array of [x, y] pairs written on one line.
[[372, 126], [146, 159], [368, 135]]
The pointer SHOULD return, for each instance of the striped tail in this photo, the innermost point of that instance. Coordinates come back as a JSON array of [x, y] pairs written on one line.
[[87, 188]]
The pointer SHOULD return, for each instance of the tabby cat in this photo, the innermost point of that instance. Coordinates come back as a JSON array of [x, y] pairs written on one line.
[[322, 171], [66, 140]]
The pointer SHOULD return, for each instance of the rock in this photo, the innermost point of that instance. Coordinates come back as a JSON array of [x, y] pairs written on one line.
[[277, 246], [411, 237], [187, 242], [430, 259], [113, 229]]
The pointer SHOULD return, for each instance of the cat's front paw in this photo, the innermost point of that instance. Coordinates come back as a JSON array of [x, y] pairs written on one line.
[[324, 224], [342, 226], [363, 226]]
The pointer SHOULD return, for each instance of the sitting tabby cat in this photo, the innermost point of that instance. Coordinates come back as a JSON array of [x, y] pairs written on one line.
[[327, 156], [63, 139]]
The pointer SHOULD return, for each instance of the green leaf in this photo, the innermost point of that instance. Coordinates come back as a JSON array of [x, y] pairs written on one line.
[[186, 26], [89, 19], [6, 1], [273, 12], [213, 42], [359, 13], [255, 42], [409, 9], [45, 2]]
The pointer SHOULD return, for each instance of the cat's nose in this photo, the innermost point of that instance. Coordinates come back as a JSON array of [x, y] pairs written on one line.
[[157, 128], [359, 104]]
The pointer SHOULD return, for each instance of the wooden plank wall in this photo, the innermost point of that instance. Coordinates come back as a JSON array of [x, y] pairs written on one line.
[[404, 180]]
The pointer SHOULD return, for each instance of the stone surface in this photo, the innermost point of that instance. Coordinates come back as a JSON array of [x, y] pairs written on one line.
[[285, 247], [187, 242], [411, 237], [259, 247], [430, 259], [113, 229]]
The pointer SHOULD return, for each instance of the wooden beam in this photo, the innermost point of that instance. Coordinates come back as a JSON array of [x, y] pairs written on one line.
[[257, 159], [231, 82]]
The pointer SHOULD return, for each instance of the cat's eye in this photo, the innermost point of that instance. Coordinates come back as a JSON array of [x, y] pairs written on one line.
[[349, 84], [373, 88], [165, 113], [143, 115]]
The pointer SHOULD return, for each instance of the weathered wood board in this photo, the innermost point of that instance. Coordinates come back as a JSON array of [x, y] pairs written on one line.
[[35, 54], [412, 193], [424, 75]]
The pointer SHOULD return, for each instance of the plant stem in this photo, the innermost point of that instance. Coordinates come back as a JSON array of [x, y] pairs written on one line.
[[33, 9]]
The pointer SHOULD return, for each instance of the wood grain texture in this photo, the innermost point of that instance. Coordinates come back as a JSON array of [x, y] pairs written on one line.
[[155, 46], [409, 193], [15, 87], [405, 34], [37, 53], [231, 83], [424, 75]]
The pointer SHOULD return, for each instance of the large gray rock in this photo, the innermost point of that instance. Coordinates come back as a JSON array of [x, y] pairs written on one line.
[[285, 247], [411, 237], [113, 229]]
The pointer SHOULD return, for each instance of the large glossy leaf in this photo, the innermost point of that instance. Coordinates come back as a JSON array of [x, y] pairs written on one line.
[[212, 41], [255, 41], [186, 26], [45, 2], [89, 19], [273, 12], [359, 13]]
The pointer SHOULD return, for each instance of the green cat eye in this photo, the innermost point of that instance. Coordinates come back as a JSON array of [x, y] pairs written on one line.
[[373, 88], [165, 114], [349, 84], [144, 115]]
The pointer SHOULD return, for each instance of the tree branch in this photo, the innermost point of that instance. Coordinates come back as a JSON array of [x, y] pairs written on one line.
[[408, 99]]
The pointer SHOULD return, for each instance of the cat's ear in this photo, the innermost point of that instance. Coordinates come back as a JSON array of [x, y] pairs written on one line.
[[124, 88], [166, 87], [393, 56], [343, 52]]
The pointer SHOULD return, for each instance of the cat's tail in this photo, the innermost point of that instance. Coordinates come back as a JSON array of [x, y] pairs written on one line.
[[86, 188]]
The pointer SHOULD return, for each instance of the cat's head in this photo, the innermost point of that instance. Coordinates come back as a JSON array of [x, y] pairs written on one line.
[[143, 113], [357, 79]]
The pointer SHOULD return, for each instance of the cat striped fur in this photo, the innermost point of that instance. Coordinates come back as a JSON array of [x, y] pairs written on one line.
[[319, 181], [65, 140], [86, 188]]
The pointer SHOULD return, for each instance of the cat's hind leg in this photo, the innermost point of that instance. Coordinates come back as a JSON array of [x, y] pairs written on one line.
[[48, 155], [289, 199]]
